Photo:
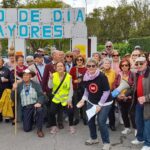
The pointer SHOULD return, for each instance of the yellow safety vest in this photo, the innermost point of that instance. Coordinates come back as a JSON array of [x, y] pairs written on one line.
[[62, 94]]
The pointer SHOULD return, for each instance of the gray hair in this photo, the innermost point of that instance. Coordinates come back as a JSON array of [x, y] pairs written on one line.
[[99, 54], [107, 59], [92, 61], [110, 43]]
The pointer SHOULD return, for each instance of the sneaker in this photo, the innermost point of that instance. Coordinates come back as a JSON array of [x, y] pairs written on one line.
[[72, 129], [137, 142], [126, 131], [145, 148], [91, 141], [54, 130], [106, 146]]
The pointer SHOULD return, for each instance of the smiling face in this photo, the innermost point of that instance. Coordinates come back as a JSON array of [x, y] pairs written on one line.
[[125, 66], [79, 61], [91, 67], [60, 68], [96, 57], [20, 61], [107, 65], [115, 56]]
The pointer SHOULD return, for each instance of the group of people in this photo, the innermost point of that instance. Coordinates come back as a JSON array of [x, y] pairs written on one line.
[[66, 85]]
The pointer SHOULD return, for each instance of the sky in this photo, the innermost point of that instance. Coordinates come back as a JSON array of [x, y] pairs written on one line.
[[91, 4]]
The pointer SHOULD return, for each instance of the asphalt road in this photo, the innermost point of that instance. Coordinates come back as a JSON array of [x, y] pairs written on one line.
[[63, 140]]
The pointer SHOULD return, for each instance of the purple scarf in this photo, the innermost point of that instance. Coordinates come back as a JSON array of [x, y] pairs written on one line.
[[89, 76]]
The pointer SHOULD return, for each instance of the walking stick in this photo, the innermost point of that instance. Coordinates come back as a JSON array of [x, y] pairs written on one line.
[[15, 75]]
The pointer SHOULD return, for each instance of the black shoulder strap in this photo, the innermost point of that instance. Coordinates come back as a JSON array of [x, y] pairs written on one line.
[[60, 83], [38, 71]]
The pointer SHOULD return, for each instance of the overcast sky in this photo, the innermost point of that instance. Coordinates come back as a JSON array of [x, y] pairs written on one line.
[[91, 4]]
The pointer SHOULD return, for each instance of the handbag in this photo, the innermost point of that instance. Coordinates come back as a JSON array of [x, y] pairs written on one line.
[[51, 95]]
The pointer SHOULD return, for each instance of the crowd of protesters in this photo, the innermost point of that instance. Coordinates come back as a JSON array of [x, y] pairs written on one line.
[[64, 86]]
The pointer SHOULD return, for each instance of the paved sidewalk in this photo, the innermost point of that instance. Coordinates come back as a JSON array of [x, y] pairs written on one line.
[[63, 140]]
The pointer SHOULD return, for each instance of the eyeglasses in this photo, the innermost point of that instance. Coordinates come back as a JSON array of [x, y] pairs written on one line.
[[91, 66], [125, 65], [139, 64], [69, 56], [115, 55], [104, 54], [109, 46], [79, 59]]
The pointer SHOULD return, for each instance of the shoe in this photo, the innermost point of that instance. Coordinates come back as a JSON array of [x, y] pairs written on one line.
[[1, 117], [91, 141], [54, 130], [126, 131], [145, 148], [137, 142], [60, 126], [7, 120], [76, 122], [113, 128], [106, 146], [40, 133], [72, 129]]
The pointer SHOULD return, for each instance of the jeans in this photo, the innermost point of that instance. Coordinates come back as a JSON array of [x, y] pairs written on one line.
[[147, 132], [31, 115], [139, 120], [101, 119]]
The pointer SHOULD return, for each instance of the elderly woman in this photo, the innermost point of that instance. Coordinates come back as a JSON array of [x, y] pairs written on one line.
[[115, 61], [97, 93], [97, 57], [111, 75], [77, 72], [61, 84], [124, 98]]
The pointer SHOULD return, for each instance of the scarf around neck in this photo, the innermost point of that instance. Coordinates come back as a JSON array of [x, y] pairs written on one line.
[[88, 76]]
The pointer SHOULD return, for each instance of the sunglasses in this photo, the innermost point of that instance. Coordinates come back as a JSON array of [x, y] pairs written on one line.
[[69, 56], [115, 55], [104, 54], [139, 64], [79, 59], [125, 65], [109, 46], [91, 66], [136, 55]]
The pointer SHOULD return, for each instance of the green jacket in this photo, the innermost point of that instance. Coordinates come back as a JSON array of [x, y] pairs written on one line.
[[40, 95]]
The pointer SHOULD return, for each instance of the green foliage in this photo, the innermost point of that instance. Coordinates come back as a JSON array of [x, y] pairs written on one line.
[[122, 48], [143, 42], [120, 23]]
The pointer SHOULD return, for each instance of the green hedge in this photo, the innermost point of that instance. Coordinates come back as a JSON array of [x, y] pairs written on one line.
[[143, 42], [123, 48]]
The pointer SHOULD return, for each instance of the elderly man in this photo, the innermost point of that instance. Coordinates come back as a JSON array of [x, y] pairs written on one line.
[[109, 49], [49, 69], [30, 100], [142, 101], [38, 68]]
